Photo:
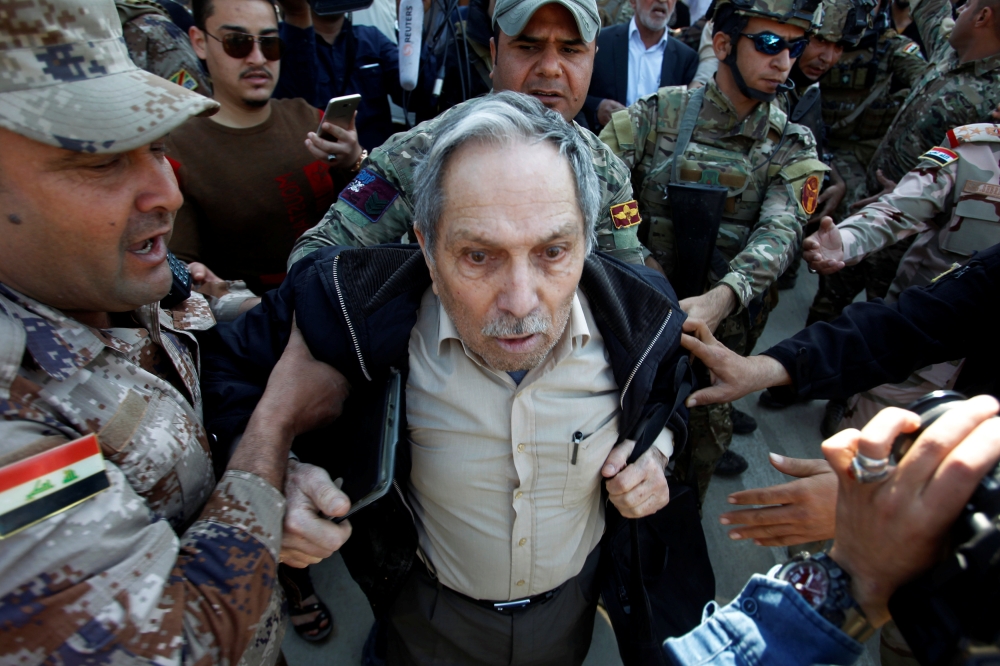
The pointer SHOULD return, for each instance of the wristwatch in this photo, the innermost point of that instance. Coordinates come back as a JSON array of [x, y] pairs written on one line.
[[827, 588]]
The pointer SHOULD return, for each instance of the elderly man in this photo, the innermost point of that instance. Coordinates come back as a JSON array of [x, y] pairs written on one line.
[[530, 362], [544, 48], [118, 544]]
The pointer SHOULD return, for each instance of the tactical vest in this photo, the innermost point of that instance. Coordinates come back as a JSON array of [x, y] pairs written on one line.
[[850, 82]]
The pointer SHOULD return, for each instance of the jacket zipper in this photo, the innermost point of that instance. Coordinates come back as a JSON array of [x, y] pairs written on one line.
[[350, 326], [402, 498], [642, 358]]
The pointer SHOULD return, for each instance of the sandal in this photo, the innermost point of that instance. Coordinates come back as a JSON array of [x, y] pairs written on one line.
[[298, 588]]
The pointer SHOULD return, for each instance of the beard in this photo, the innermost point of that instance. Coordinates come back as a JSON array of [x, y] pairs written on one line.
[[650, 23], [482, 341]]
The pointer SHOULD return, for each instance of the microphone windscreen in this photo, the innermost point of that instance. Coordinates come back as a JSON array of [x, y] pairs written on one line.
[[411, 24]]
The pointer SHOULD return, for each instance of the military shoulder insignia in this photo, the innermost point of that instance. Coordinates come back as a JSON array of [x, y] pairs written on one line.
[[184, 79], [810, 194], [625, 215], [912, 49], [975, 133], [370, 194], [47, 483], [940, 156]]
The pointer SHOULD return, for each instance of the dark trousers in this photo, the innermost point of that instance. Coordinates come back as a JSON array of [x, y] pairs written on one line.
[[431, 624]]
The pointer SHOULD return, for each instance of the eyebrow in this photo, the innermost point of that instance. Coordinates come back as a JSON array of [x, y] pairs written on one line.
[[245, 31], [531, 39], [568, 229]]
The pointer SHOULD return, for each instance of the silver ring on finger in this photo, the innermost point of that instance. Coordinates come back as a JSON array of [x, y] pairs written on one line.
[[331, 158], [869, 470], [812, 270]]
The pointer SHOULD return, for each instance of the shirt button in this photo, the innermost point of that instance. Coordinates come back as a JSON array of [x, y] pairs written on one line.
[[518, 495], [522, 542], [520, 448], [520, 583]]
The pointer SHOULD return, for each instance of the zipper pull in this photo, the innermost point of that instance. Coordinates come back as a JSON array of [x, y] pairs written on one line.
[[577, 438]]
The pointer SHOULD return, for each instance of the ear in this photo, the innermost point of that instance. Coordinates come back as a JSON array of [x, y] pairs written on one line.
[[423, 250], [721, 44], [493, 55], [986, 18], [197, 38]]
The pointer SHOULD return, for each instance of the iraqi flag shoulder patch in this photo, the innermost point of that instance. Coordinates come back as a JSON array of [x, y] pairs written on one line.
[[625, 215], [940, 156], [912, 49], [39, 486]]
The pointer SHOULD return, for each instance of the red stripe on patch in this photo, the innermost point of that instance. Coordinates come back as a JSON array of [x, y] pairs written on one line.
[[41, 464], [952, 139]]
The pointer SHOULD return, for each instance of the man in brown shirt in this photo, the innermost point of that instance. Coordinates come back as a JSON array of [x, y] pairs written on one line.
[[250, 185]]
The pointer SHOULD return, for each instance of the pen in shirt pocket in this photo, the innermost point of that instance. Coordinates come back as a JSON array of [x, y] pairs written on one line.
[[577, 438]]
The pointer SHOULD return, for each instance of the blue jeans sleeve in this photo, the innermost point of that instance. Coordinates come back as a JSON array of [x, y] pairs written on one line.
[[768, 623]]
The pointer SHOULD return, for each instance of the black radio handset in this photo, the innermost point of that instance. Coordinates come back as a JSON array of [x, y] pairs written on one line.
[[180, 290]]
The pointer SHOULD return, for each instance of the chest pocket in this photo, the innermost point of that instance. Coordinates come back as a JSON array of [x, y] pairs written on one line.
[[584, 460], [977, 219], [708, 166], [160, 450]]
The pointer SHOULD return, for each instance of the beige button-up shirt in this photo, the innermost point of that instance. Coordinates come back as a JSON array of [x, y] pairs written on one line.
[[506, 478]]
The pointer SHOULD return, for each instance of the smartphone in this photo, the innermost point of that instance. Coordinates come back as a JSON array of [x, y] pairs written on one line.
[[339, 111], [180, 289], [377, 480]]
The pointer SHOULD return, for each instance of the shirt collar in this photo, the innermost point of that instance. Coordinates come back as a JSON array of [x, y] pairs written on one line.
[[633, 34]]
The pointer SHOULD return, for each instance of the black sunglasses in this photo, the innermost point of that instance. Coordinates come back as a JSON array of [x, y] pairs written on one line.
[[772, 44], [240, 44]]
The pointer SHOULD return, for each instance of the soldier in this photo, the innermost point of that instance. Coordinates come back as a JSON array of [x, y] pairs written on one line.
[[544, 48], [158, 46], [118, 544], [732, 135]]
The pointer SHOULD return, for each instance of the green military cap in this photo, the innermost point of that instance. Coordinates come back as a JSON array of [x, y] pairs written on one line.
[[513, 15], [66, 80], [806, 14]]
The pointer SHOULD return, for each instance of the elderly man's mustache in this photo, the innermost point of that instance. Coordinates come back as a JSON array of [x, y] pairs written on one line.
[[507, 326]]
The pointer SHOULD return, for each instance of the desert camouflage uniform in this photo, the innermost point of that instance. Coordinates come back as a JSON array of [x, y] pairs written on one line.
[[158, 46], [763, 216], [377, 206], [163, 567]]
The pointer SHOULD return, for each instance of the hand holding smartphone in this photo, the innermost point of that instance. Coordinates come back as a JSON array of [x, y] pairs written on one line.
[[340, 112]]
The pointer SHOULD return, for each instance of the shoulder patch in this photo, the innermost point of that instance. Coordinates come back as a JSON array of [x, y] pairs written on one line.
[[912, 49], [810, 194], [47, 483], [940, 156], [976, 133], [184, 79], [626, 214], [370, 194]]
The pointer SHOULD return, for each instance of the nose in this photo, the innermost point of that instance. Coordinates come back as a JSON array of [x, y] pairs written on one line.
[[157, 188], [548, 65], [782, 61], [519, 294], [256, 56]]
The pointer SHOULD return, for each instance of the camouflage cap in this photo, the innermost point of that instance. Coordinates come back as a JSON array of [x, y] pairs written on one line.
[[834, 17], [66, 79], [806, 14], [513, 15]]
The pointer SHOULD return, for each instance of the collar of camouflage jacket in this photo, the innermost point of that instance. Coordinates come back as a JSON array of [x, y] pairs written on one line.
[[721, 118]]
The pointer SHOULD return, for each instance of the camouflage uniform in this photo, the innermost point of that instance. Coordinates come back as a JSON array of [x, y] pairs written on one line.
[[164, 566], [158, 46], [613, 12], [765, 161], [377, 206]]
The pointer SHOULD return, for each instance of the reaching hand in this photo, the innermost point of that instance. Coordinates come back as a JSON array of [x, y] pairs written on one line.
[[312, 499], [824, 250], [639, 489], [801, 511], [711, 307], [887, 187], [606, 108]]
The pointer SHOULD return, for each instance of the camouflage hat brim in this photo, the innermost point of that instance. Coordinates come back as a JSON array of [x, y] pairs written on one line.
[[109, 114], [512, 17]]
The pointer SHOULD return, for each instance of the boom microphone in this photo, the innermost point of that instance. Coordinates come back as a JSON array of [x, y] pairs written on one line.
[[411, 25]]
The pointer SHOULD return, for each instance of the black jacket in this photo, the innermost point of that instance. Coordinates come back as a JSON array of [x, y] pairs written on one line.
[[875, 343], [355, 308], [610, 78]]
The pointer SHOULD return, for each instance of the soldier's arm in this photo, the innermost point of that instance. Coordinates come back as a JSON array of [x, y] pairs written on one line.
[[106, 578], [929, 15], [907, 64], [770, 246], [374, 208], [920, 196]]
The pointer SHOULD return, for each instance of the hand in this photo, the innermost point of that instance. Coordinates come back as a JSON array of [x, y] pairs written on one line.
[[694, 85], [711, 307], [639, 489], [655, 265], [890, 531], [830, 197], [803, 510], [733, 376], [204, 281], [824, 250], [887, 187], [606, 108], [345, 147], [312, 498]]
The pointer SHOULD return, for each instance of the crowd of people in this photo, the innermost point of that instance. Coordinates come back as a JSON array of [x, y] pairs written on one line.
[[482, 335]]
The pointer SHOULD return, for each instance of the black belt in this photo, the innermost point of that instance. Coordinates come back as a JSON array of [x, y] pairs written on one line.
[[508, 606]]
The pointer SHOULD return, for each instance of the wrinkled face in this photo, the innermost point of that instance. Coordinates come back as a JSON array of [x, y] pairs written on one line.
[[85, 232], [548, 60], [761, 71], [247, 81], [653, 14], [819, 57], [509, 251]]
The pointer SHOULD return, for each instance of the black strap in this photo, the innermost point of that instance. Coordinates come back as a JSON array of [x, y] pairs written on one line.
[[686, 129]]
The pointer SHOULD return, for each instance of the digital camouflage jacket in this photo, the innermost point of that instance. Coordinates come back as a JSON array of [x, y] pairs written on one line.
[[769, 165], [950, 94], [951, 198], [377, 206]]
